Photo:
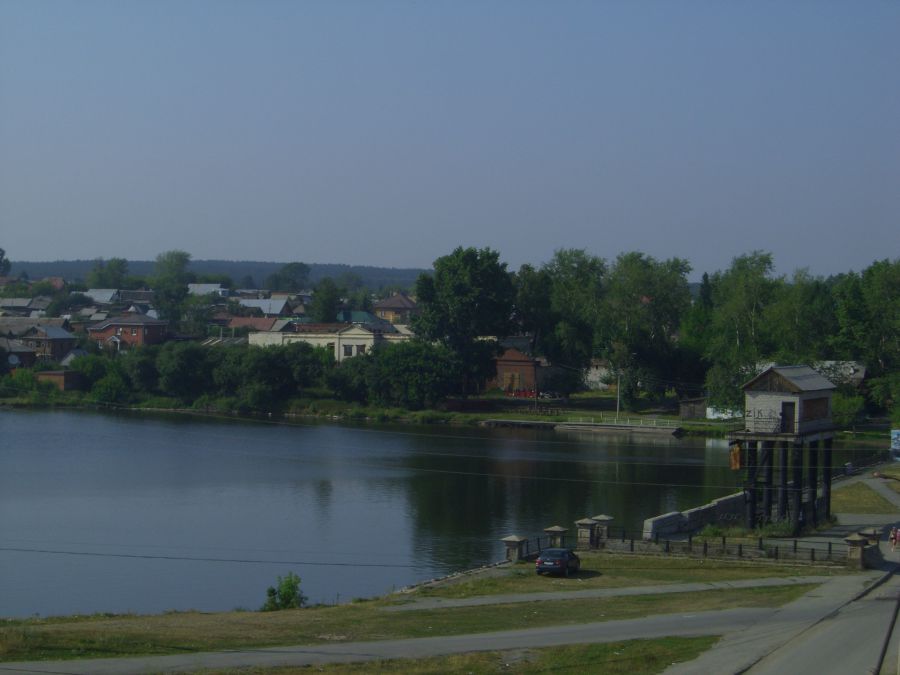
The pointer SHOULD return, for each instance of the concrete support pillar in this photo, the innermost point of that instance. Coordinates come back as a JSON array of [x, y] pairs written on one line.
[[587, 534], [812, 480], [557, 536], [797, 487], [826, 478], [752, 470], [515, 547], [768, 463], [782, 482]]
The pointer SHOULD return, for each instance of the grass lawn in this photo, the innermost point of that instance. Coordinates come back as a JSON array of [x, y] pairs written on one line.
[[859, 498], [100, 636], [616, 571], [632, 657]]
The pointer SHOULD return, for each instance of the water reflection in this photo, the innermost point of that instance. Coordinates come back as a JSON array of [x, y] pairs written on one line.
[[141, 513]]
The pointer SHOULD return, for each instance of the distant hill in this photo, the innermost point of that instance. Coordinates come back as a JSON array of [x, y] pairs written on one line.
[[372, 277]]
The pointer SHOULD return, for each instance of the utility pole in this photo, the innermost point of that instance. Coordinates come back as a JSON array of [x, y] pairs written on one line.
[[618, 389]]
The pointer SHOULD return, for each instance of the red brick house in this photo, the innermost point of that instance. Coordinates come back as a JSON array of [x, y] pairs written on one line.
[[133, 330], [516, 371]]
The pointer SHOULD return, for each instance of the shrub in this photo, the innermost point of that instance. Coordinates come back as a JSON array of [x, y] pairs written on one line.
[[285, 595]]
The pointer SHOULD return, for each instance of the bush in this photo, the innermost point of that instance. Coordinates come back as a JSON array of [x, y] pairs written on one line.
[[285, 595]]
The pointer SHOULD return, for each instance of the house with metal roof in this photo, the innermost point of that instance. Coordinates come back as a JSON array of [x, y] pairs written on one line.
[[399, 308], [271, 307], [103, 296], [49, 342]]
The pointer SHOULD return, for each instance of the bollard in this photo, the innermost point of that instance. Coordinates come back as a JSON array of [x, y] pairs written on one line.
[[740, 550], [829, 550], [631, 546], [759, 544], [667, 546], [776, 552], [812, 555], [795, 545], [690, 543], [705, 548]]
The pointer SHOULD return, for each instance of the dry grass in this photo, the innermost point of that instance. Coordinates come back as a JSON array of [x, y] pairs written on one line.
[[860, 498]]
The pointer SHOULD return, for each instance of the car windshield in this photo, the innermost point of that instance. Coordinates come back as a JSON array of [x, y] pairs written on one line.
[[554, 553]]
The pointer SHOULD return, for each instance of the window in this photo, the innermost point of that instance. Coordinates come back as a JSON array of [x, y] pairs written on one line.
[[348, 350], [360, 349], [134, 331]]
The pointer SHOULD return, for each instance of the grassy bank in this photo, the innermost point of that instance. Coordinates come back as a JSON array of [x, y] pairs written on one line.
[[103, 636]]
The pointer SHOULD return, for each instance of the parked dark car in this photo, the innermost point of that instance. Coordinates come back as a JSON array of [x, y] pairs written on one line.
[[557, 561]]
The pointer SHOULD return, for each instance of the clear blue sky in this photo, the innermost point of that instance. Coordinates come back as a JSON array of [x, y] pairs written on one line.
[[388, 133]]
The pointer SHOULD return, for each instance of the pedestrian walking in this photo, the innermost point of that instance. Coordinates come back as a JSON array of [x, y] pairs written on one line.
[[892, 537]]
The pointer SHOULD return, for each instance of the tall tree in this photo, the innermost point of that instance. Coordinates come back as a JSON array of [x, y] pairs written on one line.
[[469, 297], [4, 263], [108, 274], [641, 312], [326, 301], [170, 283], [740, 337], [291, 277], [803, 317]]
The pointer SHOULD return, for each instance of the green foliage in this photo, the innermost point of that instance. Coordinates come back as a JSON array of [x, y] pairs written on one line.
[[469, 297], [20, 382], [326, 301], [413, 375], [5, 264], [111, 389], [91, 367], [170, 283], [286, 594], [108, 274], [292, 277], [845, 410], [183, 370], [68, 303]]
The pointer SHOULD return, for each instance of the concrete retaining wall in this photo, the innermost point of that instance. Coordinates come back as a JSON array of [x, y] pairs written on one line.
[[723, 511]]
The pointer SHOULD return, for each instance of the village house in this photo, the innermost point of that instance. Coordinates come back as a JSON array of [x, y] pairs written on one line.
[[49, 342], [18, 354], [133, 330], [399, 308]]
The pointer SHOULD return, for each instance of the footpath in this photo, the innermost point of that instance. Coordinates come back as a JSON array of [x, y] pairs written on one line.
[[844, 626]]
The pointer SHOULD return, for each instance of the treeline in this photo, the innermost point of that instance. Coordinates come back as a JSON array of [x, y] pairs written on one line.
[[413, 375], [241, 272], [638, 315]]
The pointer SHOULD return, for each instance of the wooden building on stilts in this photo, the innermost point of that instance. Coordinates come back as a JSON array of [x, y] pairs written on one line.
[[787, 433]]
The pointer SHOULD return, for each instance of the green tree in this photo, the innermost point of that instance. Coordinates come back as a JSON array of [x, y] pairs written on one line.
[[291, 277], [412, 375], [803, 318], [326, 301], [170, 283], [739, 335], [286, 594], [566, 325], [642, 308], [108, 274], [183, 370], [469, 297], [4, 264]]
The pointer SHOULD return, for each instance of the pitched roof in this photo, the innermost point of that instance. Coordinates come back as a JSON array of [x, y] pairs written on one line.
[[795, 379], [52, 332], [129, 320], [15, 346], [254, 322], [399, 301], [104, 296], [19, 325], [266, 306]]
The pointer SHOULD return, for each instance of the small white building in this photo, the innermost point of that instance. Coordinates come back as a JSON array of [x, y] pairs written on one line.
[[344, 340]]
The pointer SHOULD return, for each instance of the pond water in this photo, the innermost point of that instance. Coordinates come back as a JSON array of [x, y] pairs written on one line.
[[146, 513]]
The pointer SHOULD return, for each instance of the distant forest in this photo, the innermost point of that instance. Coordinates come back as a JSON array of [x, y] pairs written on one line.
[[371, 277]]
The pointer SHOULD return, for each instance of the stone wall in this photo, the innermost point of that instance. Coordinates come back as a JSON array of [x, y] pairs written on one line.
[[723, 511]]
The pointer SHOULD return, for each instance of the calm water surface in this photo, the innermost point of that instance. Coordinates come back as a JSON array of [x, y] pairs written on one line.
[[134, 513]]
